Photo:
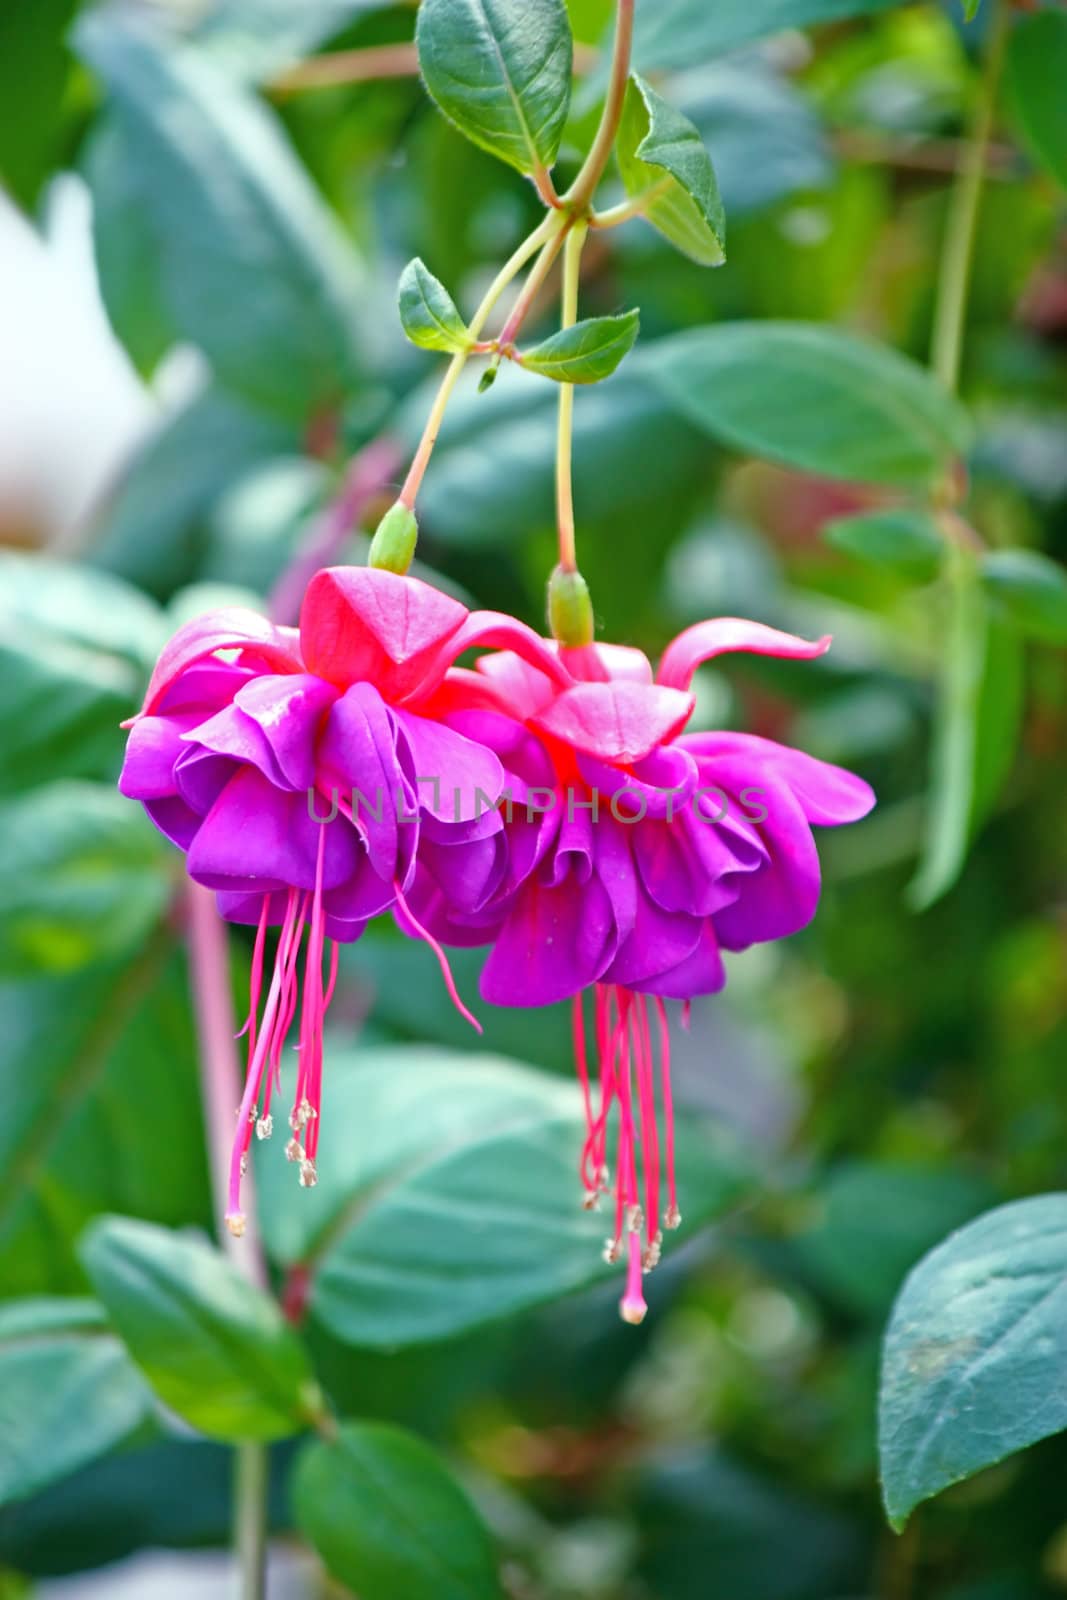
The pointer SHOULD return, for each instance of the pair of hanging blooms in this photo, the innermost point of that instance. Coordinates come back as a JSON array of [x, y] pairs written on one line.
[[546, 802]]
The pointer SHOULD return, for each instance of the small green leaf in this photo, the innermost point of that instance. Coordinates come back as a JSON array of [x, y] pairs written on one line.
[[68, 1392], [815, 398], [83, 878], [389, 1521], [1036, 75], [428, 312], [970, 9], [906, 540], [975, 1352], [659, 150], [501, 71], [215, 1348], [586, 352], [1032, 591], [976, 720]]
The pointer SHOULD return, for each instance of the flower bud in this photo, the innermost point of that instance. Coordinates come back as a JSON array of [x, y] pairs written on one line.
[[570, 610], [394, 540]]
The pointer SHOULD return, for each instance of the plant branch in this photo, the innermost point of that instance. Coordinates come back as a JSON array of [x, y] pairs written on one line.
[[961, 224], [348, 66], [581, 191], [554, 223], [627, 209], [220, 1076], [568, 559]]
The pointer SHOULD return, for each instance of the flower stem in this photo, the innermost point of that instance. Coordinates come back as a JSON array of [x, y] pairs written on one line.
[[537, 275], [220, 1090], [251, 1476], [550, 225], [957, 255], [581, 191], [564, 449]]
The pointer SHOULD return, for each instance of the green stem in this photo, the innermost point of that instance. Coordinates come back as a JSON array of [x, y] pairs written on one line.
[[550, 225], [614, 215], [252, 1469], [572, 257], [581, 191], [961, 224], [537, 275]]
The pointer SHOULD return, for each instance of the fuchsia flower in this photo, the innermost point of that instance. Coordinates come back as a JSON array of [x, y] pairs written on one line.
[[633, 854], [252, 738]]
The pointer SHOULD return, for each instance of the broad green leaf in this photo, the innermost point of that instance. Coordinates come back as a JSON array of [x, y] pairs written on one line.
[[428, 313], [84, 877], [815, 398], [215, 1348], [102, 1111], [129, 261], [501, 71], [683, 33], [76, 647], [256, 270], [1031, 589], [154, 531], [975, 1351], [1036, 74], [586, 352], [35, 67], [68, 1392], [660, 152], [389, 1521], [979, 703], [448, 1195], [906, 540]]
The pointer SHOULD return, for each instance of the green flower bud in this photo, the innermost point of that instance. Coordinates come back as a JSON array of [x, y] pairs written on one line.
[[570, 610], [394, 541]]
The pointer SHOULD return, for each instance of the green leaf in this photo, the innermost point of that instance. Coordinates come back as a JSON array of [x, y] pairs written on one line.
[[908, 541], [970, 9], [102, 1111], [389, 1521], [586, 352], [815, 398], [448, 1196], [978, 708], [1036, 74], [129, 262], [1031, 589], [683, 33], [68, 1392], [428, 312], [154, 532], [83, 878], [255, 269], [975, 1351], [501, 71], [215, 1348], [35, 68], [76, 647], [659, 150]]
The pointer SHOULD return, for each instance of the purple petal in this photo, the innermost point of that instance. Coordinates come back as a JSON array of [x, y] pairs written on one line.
[[289, 709], [702, 971], [357, 756], [263, 838], [555, 942], [152, 749], [827, 794], [457, 779]]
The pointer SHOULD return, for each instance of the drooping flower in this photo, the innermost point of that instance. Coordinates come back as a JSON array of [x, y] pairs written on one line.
[[632, 855], [299, 770]]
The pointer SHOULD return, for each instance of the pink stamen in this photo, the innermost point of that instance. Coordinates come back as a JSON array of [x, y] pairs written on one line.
[[256, 982], [668, 1108], [632, 1306], [442, 959]]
